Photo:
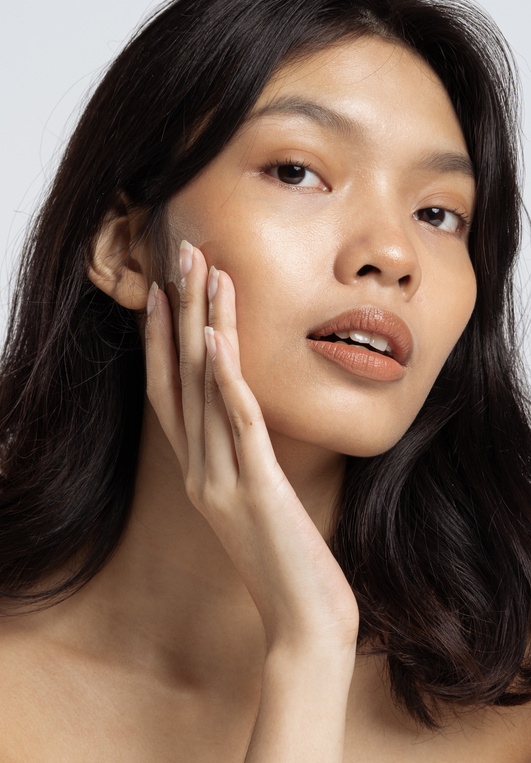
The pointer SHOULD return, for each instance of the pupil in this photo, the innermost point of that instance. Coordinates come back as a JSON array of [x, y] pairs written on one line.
[[435, 214], [291, 173]]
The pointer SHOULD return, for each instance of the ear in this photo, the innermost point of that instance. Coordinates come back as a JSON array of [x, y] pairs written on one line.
[[120, 263]]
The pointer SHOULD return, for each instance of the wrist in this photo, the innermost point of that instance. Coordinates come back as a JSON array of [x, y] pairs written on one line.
[[313, 659]]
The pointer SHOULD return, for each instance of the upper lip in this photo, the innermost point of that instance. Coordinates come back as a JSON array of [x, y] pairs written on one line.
[[375, 321]]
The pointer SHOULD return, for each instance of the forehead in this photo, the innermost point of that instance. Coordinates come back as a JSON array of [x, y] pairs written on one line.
[[377, 88]]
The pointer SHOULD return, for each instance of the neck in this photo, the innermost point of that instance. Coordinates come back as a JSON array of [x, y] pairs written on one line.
[[170, 597]]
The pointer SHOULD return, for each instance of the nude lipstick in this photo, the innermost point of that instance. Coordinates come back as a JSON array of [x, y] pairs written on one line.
[[367, 341]]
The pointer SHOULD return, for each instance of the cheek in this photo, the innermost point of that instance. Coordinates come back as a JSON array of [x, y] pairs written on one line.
[[449, 296], [277, 284], [448, 308], [461, 298]]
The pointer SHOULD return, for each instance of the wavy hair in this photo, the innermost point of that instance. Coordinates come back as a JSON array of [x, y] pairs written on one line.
[[434, 535]]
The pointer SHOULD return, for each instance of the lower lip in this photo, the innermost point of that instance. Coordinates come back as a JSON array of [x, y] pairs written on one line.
[[359, 361]]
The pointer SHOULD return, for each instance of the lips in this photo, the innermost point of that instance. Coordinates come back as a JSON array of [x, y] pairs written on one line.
[[362, 360]]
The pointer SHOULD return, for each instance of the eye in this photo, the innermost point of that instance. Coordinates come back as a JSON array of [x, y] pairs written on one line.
[[294, 173], [444, 219]]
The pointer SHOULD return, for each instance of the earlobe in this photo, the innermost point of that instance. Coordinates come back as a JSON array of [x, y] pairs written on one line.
[[120, 261]]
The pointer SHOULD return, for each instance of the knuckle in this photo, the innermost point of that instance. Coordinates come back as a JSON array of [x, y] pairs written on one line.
[[206, 495], [185, 360], [186, 299], [212, 395], [240, 423], [188, 380], [164, 379], [194, 490], [244, 418], [210, 493], [218, 500]]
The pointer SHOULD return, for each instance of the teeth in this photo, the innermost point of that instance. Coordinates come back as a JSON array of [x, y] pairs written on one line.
[[379, 343], [363, 337]]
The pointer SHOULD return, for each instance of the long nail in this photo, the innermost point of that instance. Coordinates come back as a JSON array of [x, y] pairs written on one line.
[[210, 342], [212, 286], [152, 298], [185, 257]]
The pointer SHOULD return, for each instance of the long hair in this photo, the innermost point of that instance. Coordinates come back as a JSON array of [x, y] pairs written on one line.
[[434, 535]]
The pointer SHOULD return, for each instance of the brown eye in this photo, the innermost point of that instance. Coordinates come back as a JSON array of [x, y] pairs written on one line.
[[291, 173], [440, 218], [295, 174]]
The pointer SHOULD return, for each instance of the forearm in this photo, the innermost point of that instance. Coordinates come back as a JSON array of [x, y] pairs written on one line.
[[302, 711]]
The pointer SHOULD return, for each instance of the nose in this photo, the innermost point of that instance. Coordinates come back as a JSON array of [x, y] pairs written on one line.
[[381, 250]]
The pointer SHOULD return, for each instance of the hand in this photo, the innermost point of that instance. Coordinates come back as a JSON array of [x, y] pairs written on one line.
[[217, 430]]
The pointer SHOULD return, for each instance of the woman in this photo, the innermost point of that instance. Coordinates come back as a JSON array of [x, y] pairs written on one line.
[[311, 541]]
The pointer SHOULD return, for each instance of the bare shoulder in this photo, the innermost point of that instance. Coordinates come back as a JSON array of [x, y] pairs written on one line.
[[502, 735], [27, 667], [45, 698], [377, 731], [493, 736], [61, 704], [520, 721]]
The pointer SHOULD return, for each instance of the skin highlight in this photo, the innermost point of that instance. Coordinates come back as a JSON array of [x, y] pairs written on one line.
[[285, 245]]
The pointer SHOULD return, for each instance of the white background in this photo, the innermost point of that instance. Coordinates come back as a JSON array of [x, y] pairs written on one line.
[[54, 50]]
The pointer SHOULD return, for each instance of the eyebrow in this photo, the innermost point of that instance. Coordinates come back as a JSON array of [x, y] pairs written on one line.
[[447, 161], [442, 162], [323, 116]]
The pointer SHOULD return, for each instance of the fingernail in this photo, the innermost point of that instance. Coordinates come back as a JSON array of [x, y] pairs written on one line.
[[185, 257], [212, 286], [152, 298], [210, 342]]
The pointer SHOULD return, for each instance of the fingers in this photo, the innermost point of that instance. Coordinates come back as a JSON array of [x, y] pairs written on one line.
[[192, 357], [207, 410], [222, 307], [172, 292], [228, 397], [221, 464], [181, 386], [163, 384], [217, 430]]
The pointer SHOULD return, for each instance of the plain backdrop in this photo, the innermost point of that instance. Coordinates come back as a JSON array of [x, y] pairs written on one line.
[[54, 51]]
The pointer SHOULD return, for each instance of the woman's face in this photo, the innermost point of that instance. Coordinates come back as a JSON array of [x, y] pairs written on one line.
[[346, 193]]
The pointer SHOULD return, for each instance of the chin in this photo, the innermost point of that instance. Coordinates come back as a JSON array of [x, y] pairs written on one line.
[[353, 440], [370, 449], [374, 443]]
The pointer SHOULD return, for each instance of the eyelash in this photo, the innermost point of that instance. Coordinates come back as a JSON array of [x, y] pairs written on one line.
[[464, 219], [289, 161], [284, 162]]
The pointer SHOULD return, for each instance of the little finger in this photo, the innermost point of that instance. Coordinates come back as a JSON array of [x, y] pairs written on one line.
[[163, 384], [192, 358]]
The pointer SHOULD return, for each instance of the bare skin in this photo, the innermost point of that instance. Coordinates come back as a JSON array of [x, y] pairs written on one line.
[[176, 650]]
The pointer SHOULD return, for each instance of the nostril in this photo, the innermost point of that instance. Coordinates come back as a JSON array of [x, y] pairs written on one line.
[[365, 269], [404, 281]]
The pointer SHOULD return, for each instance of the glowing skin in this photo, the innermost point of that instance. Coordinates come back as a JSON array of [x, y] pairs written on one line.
[[350, 234], [168, 639]]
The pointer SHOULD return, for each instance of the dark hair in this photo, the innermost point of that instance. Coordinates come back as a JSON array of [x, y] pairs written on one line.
[[434, 535]]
